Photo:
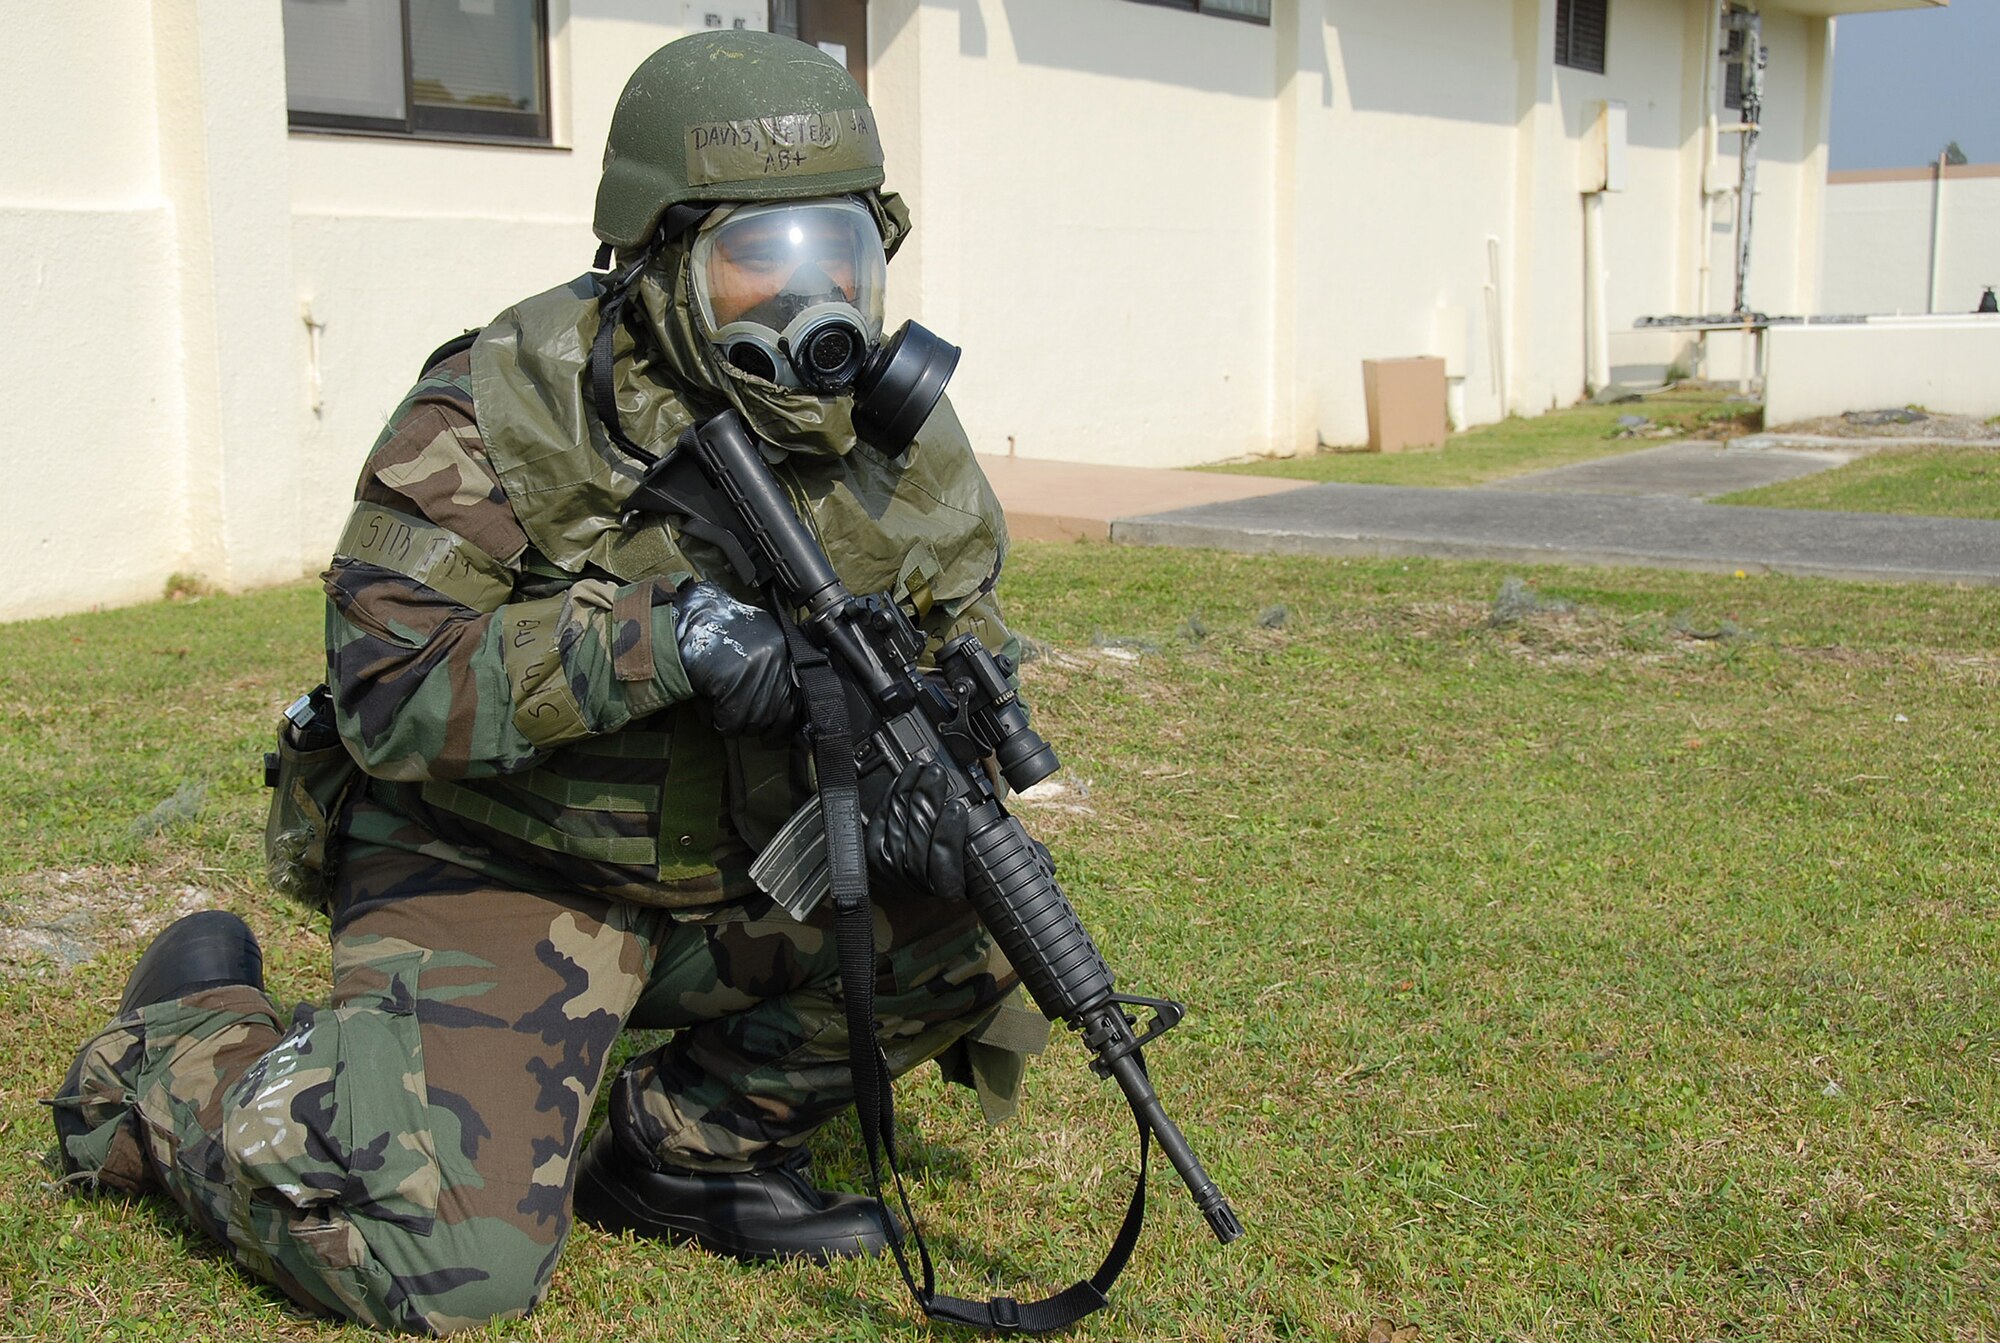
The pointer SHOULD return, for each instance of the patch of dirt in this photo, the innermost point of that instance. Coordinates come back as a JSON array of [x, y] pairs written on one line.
[[1981, 670], [1061, 791], [57, 919], [1917, 428]]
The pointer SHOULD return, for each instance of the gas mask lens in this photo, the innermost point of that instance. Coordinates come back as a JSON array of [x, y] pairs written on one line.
[[792, 292]]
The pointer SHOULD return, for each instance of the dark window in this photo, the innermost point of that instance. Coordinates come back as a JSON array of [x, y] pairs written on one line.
[[1732, 71], [443, 69], [1580, 28], [1250, 11]]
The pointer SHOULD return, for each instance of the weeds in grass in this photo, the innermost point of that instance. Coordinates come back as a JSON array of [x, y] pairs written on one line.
[[184, 805], [184, 587], [1516, 601]]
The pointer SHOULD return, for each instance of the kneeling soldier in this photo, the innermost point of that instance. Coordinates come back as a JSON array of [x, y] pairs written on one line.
[[571, 738]]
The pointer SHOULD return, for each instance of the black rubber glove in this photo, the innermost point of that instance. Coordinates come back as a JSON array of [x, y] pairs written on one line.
[[916, 834], [735, 655]]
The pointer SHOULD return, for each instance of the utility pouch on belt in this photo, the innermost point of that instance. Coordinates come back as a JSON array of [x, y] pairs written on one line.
[[310, 775]]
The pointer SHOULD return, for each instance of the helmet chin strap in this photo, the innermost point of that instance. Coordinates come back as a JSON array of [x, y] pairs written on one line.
[[677, 221]]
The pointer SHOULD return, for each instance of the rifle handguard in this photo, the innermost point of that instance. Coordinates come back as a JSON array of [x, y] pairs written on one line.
[[1032, 920]]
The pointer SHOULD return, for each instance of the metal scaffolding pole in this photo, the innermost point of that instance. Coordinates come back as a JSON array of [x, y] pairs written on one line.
[[1751, 55]]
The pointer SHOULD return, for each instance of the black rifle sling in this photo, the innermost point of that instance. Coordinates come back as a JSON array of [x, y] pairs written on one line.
[[874, 1098], [610, 312]]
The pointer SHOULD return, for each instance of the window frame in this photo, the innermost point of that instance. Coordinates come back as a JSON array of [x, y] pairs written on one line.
[[1201, 7], [1567, 34], [464, 125]]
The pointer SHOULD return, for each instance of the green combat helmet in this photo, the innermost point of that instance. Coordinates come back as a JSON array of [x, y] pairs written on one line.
[[732, 116]]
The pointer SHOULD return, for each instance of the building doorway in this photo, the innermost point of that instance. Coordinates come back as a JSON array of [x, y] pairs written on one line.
[[837, 27]]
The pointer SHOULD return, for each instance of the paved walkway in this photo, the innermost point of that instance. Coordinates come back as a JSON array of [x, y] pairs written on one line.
[[1071, 501], [1685, 470], [1640, 509]]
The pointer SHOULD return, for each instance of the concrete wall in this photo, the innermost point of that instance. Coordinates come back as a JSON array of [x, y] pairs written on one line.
[[1946, 367], [110, 431], [1091, 182], [144, 267], [1879, 239]]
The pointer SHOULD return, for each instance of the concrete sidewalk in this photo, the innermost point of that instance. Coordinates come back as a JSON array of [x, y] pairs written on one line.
[[1641, 509], [1686, 470], [1073, 501]]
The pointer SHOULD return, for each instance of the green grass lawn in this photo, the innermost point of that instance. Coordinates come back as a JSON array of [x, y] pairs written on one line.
[[1934, 482], [1516, 446], [1626, 970]]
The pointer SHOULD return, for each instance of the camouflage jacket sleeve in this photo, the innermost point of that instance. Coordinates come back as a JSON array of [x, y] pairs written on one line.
[[451, 652]]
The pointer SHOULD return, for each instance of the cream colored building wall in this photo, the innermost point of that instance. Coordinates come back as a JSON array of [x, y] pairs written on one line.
[[1464, 138], [86, 239], [1790, 165], [1541, 298], [1405, 166], [1643, 223], [220, 75], [1091, 185], [142, 236], [1657, 243], [1878, 240], [1363, 179], [400, 244]]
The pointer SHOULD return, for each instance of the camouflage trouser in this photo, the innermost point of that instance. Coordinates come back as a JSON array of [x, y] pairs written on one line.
[[404, 1157]]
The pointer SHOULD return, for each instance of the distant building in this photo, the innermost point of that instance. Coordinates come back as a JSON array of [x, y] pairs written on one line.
[[1165, 231]]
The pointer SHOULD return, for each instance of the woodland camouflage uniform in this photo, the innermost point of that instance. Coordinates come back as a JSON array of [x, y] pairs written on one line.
[[549, 845]]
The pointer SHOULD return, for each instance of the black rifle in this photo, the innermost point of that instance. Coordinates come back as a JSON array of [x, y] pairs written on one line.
[[717, 487]]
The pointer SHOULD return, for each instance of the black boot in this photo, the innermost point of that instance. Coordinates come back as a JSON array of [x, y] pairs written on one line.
[[202, 951], [763, 1214], [206, 950]]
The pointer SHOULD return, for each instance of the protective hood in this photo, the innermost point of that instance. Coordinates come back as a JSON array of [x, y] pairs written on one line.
[[924, 523], [565, 479]]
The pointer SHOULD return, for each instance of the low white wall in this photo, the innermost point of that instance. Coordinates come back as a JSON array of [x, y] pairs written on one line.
[[1947, 368], [1728, 356], [1646, 355], [1878, 239]]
